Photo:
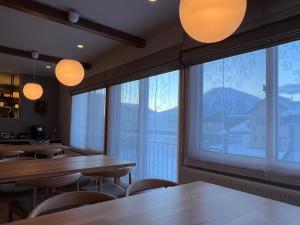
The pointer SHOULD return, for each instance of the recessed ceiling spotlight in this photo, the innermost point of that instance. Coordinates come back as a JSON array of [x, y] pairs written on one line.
[[80, 46], [152, 1], [48, 67]]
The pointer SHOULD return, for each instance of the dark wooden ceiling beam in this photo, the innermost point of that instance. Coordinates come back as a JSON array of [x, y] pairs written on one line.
[[60, 16], [27, 54]]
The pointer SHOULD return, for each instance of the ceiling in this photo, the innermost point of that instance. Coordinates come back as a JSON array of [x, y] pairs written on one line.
[[23, 31]]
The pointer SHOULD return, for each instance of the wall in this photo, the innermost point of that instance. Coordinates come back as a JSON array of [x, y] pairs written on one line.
[[278, 193], [160, 39], [64, 115], [28, 116]]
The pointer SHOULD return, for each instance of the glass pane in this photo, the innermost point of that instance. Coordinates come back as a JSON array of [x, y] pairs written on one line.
[[143, 125], [163, 126], [234, 105], [129, 122], [288, 102], [88, 120]]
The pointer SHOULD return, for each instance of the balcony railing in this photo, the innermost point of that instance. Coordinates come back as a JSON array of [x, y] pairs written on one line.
[[156, 157]]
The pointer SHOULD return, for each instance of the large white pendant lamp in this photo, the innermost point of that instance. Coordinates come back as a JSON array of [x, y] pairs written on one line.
[[70, 72], [210, 21], [33, 90]]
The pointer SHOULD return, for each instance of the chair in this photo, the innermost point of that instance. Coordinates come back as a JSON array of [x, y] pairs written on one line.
[[50, 183], [10, 153], [9, 193], [148, 184], [68, 201], [115, 189], [48, 153]]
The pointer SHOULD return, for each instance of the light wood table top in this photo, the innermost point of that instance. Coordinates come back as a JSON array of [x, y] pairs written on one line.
[[32, 148], [190, 204], [27, 169]]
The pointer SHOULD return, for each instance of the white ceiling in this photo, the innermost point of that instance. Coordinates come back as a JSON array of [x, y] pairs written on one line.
[[23, 31]]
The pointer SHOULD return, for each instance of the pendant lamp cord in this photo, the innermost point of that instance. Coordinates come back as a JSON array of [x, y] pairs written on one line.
[[34, 71], [71, 44]]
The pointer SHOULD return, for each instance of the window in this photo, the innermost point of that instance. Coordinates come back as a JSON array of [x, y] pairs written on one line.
[[87, 123], [143, 122], [244, 111], [229, 108], [288, 102]]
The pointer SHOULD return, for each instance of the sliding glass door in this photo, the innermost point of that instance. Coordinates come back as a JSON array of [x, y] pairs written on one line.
[[143, 125]]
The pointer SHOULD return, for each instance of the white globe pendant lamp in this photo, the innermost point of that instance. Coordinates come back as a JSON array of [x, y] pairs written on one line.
[[210, 21], [70, 72], [33, 90]]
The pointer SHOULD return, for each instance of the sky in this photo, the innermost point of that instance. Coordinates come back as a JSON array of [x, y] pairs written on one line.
[[247, 72], [162, 91]]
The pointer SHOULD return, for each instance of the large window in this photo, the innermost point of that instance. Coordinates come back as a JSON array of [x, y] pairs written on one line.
[[143, 122], [244, 111], [87, 123], [288, 103]]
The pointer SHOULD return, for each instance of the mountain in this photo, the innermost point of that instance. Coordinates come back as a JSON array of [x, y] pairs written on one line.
[[235, 102], [289, 89]]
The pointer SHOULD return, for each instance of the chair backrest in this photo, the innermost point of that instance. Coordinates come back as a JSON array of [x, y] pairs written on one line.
[[148, 184], [48, 152], [111, 173], [13, 159], [69, 200], [60, 156], [10, 153], [51, 182]]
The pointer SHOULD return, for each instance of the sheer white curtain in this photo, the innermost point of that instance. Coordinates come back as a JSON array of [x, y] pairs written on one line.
[[88, 119], [244, 114], [143, 121], [226, 101]]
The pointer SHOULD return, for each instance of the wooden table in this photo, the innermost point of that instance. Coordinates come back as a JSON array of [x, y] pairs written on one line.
[[27, 169], [33, 148], [190, 204]]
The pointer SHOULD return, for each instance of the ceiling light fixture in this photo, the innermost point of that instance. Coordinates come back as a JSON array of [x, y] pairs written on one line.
[[70, 72], [211, 21], [80, 46], [152, 1], [33, 90]]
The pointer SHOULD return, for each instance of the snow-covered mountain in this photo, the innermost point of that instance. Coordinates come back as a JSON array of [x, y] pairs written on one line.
[[234, 102]]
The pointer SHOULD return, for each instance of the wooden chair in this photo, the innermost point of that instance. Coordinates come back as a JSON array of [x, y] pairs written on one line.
[[116, 189], [48, 153], [69, 200], [49, 183], [8, 153], [148, 184], [10, 193], [116, 174]]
